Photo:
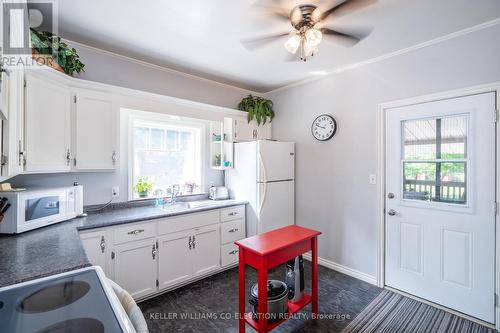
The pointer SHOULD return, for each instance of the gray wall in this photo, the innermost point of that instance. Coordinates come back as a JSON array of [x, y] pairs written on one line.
[[115, 70], [333, 193]]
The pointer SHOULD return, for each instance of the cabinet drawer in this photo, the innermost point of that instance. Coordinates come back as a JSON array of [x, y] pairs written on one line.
[[229, 254], [232, 231], [232, 213], [188, 221], [135, 232]]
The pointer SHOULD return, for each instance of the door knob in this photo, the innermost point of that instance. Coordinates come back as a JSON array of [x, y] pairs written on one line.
[[391, 212], [390, 195]]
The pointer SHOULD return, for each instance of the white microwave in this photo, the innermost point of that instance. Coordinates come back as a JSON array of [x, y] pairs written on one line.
[[35, 208]]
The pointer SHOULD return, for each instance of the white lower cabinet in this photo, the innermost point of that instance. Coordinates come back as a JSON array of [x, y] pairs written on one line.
[[96, 246], [136, 267], [174, 264], [157, 255], [205, 253]]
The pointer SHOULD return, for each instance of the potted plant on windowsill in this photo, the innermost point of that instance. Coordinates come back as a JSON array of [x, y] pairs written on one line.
[[143, 187], [190, 186], [48, 49], [258, 108]]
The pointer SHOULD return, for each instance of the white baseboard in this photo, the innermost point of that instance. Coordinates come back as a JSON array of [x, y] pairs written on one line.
[[344, 269]]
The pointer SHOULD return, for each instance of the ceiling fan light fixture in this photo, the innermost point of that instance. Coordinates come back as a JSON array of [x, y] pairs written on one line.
[[292, 44], [309, 50], [313, 37], [316, 15]]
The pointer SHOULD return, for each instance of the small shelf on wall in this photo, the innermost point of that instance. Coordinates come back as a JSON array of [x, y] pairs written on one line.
[[221, 149]]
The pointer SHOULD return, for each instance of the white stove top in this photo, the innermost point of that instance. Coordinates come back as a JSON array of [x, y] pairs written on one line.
[[76, 301]]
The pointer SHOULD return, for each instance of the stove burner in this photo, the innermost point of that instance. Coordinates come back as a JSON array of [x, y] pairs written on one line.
[[78, 325], [54, 297]]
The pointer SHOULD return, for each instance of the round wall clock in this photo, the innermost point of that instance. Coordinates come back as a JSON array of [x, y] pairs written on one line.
[[324, 127]]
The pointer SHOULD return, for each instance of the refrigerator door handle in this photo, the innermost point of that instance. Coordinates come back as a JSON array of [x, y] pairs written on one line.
[[263, 199], [263, 168]]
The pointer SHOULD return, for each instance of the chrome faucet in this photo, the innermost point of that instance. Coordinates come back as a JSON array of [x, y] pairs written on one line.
[[175, 191]]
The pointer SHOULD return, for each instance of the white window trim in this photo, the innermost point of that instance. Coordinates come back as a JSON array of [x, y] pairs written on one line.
[[152, 117]]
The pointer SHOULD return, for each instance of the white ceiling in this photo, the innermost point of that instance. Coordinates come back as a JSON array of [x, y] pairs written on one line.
[[202, 37]]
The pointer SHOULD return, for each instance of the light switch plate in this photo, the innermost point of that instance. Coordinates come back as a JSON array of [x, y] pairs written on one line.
[[373, 179]]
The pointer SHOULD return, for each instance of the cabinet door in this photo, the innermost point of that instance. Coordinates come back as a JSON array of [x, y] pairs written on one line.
[[243, 131], [264, 131], [95, 246], [206, 249], [135, 267], [95, 126], [47, 125], [174, 263]]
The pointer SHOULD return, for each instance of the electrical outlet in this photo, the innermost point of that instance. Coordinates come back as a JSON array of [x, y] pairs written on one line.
[[115, 192]]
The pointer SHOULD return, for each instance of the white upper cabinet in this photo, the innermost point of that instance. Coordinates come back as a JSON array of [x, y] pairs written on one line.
[[47, 125], [238, 129], [95, 123]]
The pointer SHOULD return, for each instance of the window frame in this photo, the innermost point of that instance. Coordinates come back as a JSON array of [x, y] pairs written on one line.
[[170, 121], [468, 160]]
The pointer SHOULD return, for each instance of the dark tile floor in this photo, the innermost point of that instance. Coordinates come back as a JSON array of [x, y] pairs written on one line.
[[204, 305]]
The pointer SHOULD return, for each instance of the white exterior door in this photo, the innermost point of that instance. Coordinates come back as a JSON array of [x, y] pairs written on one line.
[[206, 249], [440, 199], [276, 205], [174, 264], [135, 267], [276, 161], [47, 125], [95, 131]]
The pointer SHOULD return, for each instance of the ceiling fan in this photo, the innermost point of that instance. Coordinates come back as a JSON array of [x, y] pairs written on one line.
[[308, 30]]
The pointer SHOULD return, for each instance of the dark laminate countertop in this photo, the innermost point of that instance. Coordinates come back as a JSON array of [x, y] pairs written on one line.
[[57, 248]]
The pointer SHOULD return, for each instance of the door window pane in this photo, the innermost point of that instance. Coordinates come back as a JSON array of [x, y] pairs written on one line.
[[434, 159]]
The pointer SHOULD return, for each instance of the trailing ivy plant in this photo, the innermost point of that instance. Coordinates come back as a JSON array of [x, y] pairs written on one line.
[[257, 107], [44, 42]]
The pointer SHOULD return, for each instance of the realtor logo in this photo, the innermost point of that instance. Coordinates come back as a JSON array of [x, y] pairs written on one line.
[[18, 21]]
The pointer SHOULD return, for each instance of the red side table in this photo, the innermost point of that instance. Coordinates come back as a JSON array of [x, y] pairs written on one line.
[[270, 249]]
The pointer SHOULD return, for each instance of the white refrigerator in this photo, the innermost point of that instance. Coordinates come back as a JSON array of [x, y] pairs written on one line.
[[264, 175]]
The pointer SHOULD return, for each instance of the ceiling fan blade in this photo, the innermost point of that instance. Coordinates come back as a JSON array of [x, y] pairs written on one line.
[[347, 6], [346, 38], [261, 41], [276, 10]]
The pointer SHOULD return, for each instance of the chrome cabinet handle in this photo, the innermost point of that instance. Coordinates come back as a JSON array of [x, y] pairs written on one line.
[[233, 213], [68, 157], [233, 230], [234, 252], [194, 242], [135, 232], [103, 244], [153, 252], [391, 212], [190, 243], [113, 157]]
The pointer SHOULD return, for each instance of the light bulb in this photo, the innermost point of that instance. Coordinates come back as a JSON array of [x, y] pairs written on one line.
[[316, 15], [309, 49], [313, 37], [292, 44]]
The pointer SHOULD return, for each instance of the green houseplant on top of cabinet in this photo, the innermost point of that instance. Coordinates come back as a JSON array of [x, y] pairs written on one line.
[[258, 108]]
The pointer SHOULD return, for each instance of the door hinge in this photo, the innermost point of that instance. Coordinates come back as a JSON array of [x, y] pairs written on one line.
[[24, 83], [496, 299], [495, 207], [157, 283], [74, 98], [4, 160], [112, 254], [495, 116]]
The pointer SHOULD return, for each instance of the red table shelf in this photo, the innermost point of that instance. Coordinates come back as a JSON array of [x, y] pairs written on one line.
[[270, 249]]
